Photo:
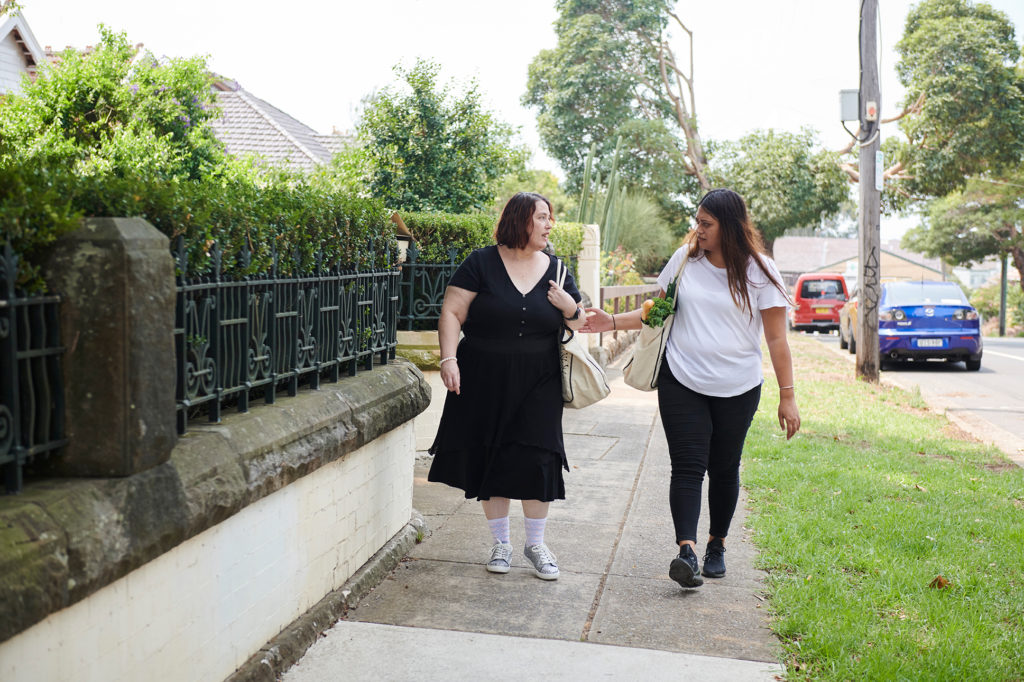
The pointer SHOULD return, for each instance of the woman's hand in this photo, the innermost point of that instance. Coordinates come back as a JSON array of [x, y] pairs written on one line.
[[789, 415], [558, 297], [597, 321], [450, 376]]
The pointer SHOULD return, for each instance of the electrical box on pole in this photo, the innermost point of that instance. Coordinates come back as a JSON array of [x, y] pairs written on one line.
[[869, 222]]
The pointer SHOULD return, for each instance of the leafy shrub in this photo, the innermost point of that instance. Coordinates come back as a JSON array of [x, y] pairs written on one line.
[[432, 150], [643, 232], [35, 209], [437, 233], [617, 269], [986, 300], [99, 135]]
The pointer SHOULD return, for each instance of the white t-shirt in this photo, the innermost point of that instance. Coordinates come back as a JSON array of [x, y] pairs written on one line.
[[714, 347]]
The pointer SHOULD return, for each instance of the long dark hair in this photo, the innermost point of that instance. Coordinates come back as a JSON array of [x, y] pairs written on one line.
[[739, 241], [513, 228]]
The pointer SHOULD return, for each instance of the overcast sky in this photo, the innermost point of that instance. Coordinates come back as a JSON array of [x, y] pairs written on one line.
[[758, 64]]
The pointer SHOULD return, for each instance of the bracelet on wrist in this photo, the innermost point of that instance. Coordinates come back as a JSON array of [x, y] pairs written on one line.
[[444, 360], [783, 388], [575, 315]]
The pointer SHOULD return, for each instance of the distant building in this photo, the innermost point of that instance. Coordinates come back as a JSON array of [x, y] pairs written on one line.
[[797, 255], [249, 125], [20, 53]]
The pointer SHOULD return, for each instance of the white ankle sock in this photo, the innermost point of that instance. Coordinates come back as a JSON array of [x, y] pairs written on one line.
[[499, 529], [534, 530]]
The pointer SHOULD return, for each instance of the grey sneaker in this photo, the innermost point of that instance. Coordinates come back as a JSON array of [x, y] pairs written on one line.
[[544, 562], [501, 553]]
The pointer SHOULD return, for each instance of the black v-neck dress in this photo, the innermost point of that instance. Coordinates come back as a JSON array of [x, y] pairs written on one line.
[[502, 435]]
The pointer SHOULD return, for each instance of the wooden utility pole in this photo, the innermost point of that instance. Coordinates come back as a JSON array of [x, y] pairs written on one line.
[[869, 278]]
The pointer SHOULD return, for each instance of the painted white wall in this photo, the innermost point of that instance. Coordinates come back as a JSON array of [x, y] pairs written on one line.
[[203, 608], [12, 64]]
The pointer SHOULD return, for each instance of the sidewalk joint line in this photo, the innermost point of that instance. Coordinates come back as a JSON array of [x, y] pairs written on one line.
[[585, 635]]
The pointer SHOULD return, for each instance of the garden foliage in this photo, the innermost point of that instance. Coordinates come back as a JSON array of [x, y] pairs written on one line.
[[432, 150], [450, 237], [110, 133]]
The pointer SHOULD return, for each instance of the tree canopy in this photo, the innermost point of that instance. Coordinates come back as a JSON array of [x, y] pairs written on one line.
[[433, 150], [787, 184], [963, 59], [613, 73], [967, 226], [110, 113]]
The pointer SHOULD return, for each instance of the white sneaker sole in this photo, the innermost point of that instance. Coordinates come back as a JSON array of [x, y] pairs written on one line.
[[498, 569], [545, 576]]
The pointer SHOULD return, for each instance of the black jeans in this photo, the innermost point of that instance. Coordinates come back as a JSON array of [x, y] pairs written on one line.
[[705, 434]]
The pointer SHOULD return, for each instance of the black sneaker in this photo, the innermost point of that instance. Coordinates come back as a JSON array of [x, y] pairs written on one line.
[[714, 559], [683, 568]]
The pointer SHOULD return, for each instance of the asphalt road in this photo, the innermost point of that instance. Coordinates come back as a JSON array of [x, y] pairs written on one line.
[[988, 403]]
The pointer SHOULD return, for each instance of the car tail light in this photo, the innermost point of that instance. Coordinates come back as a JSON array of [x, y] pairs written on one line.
[[965, 314], [892, 314]]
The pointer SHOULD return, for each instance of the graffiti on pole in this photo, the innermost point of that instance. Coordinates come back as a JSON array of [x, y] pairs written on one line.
[[871, 277]]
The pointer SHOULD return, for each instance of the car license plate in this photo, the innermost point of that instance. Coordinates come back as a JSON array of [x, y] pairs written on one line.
[[823, 311], [929, 343]]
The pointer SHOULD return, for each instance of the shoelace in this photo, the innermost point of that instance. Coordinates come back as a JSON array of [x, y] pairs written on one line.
[[545, 558], [713, 553], [501, 553]]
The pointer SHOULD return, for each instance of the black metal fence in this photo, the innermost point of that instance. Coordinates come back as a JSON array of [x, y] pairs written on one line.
[[239, 339], [422, 289], [31, 382], [423, 284]]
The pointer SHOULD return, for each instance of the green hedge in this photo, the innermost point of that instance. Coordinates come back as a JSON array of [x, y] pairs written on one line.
[[436, 233], [116, 133], [247, 216], [256, 216]]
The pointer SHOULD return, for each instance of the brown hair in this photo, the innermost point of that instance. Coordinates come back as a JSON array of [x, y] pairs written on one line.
[[739, 240], [513, 228]]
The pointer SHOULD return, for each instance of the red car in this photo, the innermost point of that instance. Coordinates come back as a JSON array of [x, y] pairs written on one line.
[[817, 297]]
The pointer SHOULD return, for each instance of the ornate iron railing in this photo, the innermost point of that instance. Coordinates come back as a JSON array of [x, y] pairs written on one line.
[[31, 382], [423, 285], [238, 338], [422, 289]]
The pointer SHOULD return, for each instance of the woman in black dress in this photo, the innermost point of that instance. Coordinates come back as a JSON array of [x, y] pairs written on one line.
[[500, 436]]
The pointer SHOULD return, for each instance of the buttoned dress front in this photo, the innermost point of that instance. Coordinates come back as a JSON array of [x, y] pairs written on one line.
[[501, 436]]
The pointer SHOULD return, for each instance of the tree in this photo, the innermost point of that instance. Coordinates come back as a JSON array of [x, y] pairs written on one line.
[[959, 63], [433, 151], [542, 182], [107, 114], [614, 73], [985, 218], [965, 146], [785, 182]]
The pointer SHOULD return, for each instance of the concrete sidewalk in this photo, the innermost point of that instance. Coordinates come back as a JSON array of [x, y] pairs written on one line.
[[613, 613]]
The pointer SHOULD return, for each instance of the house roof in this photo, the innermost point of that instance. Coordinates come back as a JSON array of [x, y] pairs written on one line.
[[250, 125], [31, 52], [795, 255]]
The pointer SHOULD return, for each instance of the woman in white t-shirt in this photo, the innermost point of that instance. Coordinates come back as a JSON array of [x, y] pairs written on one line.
[[709, 386]]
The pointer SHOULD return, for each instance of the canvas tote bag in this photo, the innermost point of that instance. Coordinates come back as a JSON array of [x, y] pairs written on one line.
[[583, 379], [641, 372]]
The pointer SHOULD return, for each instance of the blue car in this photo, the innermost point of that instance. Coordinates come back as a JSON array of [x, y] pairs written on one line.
[[925, 320]]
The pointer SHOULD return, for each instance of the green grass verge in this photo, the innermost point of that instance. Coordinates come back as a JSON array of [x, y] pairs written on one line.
[[858, 516]]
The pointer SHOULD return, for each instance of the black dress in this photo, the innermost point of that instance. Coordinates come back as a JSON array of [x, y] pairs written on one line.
[[502, 435]]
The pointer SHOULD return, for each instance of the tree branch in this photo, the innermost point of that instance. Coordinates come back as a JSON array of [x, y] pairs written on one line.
[[914, 108]]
